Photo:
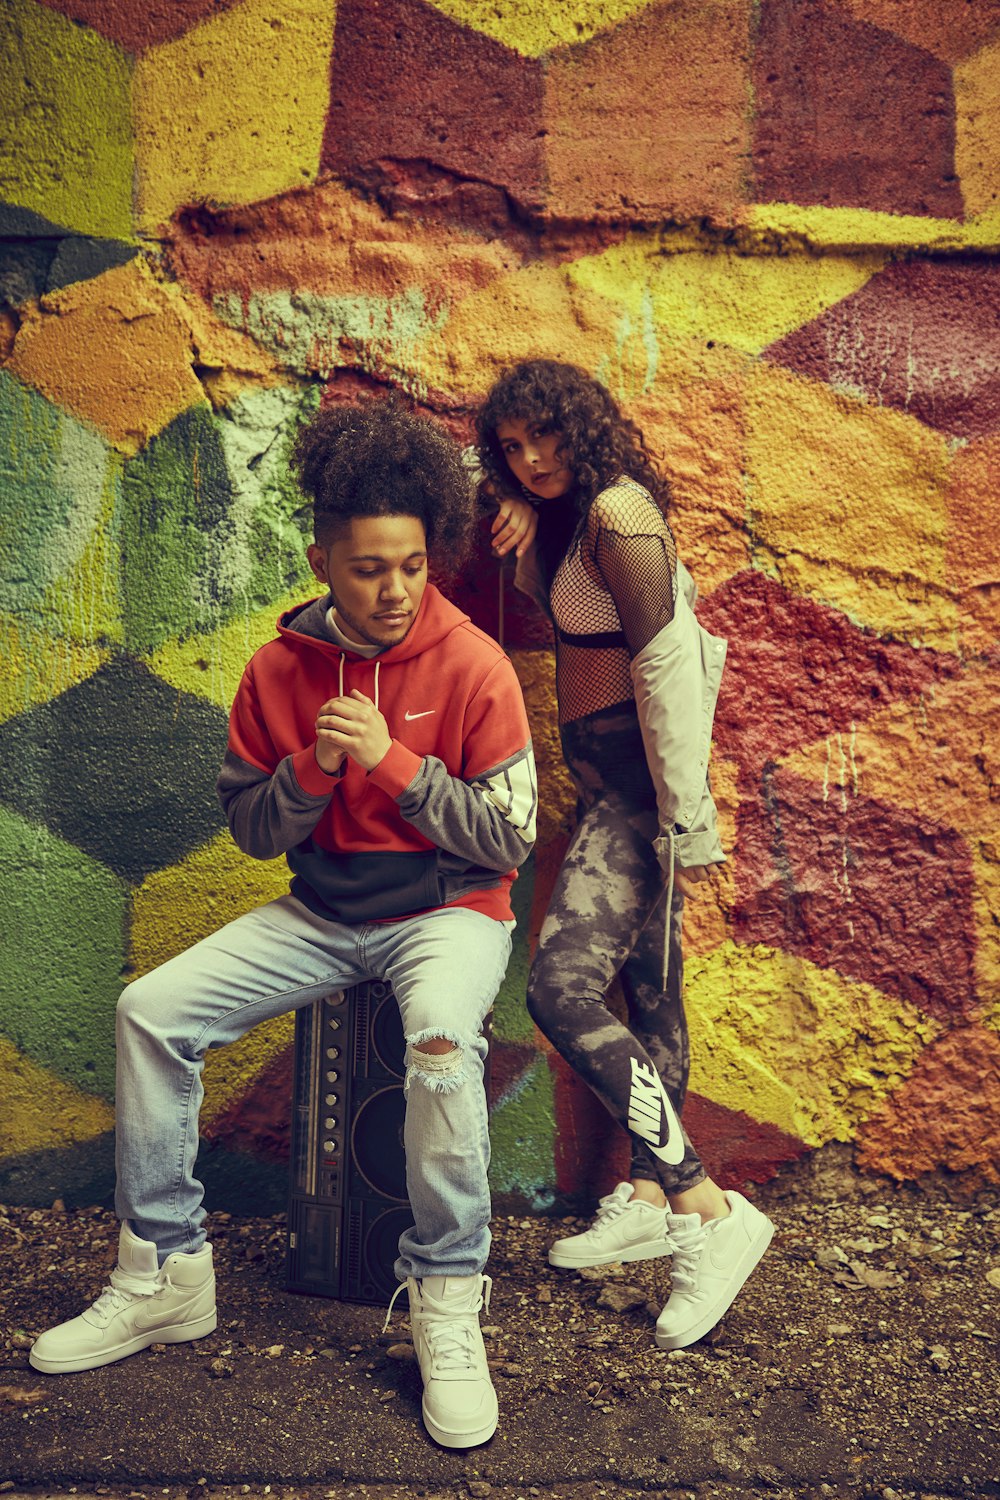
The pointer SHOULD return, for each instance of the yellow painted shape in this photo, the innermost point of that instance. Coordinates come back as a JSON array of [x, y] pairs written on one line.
[[177, 907], [254, 82], [530, 28], [211, 665], [707, 922], [746, 301], [114, 352], [65, 135], [536, 671], [781, 226], [795, 1045], [39, 1112], [977, 130], [38, 666], [848, 503]]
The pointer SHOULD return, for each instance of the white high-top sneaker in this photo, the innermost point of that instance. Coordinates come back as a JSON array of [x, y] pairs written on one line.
[[625, 1229], [460, 1404], [141, 1305]]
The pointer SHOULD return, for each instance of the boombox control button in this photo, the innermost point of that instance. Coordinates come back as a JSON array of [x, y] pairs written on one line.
[[330, 1123], [331, 1099], [329, 1147], [333, 1053], [334, 1023]]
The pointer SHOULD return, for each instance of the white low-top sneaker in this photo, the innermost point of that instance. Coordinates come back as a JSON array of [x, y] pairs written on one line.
[[460, 1404], [141, 1305], [711, 1263], [625, 1229]]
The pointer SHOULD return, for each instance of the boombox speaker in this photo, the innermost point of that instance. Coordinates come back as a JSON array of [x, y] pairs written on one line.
[[347, 1201]]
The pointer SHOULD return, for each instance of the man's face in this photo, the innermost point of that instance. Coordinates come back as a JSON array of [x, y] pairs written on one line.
[[377, 573]]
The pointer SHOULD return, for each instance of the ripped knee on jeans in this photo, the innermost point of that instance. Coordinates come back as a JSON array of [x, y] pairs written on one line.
[[442, 1070]]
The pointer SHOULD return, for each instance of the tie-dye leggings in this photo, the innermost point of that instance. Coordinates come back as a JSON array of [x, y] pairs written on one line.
[[607, 917]]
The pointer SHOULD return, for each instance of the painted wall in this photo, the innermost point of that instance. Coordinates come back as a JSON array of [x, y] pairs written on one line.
[[772, 226]]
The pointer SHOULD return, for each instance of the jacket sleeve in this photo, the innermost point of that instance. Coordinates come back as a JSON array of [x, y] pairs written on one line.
[[676, 679], [487, 815], [271, 803]]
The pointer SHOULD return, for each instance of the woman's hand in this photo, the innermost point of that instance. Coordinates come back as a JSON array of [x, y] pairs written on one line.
[[515, 526], [689, 879]]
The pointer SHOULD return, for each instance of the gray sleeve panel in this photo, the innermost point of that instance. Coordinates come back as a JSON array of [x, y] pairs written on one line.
[[489, 821], [267, 815]]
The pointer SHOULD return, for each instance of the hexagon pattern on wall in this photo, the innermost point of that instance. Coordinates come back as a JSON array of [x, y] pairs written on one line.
[[772, 229]]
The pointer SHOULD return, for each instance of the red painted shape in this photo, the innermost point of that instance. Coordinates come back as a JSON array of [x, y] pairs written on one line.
[[138, 24], [797, 670], [517, 624], [735, 1148], [922, 336], [421, 107], [590, 1150], [874, 891], [258, 1121], [848, 115]]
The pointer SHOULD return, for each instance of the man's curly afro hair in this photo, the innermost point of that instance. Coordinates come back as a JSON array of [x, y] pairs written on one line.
[[379, 459]]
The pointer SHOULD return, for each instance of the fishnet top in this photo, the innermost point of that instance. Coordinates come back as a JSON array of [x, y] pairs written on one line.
[[612, 592]]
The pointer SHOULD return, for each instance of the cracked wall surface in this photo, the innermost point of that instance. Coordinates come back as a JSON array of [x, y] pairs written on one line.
[[773, 228]]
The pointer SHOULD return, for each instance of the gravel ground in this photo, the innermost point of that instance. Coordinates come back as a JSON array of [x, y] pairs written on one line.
[[860, 1361]]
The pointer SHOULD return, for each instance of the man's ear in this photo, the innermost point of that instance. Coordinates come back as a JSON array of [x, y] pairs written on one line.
[[317, 561]]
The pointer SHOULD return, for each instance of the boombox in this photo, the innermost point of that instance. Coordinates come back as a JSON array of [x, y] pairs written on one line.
[[347, 1201]]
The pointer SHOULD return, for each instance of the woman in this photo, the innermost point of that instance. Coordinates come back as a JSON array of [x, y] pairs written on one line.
[[583, 506]]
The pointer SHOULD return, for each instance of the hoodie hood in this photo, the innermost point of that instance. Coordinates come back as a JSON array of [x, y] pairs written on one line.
[[436, 618]]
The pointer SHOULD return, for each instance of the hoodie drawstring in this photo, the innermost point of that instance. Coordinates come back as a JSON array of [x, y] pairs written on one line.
[[378, 667]]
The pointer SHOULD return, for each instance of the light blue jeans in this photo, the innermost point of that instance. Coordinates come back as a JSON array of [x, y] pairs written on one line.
[[445, 969]]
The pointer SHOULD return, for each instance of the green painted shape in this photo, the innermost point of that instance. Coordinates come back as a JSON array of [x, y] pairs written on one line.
[[62, 955], [511, 1022], [65, 128], [54, 478], [176, 522], [522, 1135], [265, 556]]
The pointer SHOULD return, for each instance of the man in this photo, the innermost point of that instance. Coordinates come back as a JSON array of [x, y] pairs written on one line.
[[381, 744]]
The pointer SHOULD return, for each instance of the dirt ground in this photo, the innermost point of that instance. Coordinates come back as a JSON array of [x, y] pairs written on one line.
[[860, 1361]]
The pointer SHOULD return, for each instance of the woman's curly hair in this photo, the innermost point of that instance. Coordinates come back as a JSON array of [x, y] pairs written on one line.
[[379, 459], [601, 443]]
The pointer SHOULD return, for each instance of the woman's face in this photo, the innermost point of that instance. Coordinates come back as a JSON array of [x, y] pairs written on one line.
[[533, 457]]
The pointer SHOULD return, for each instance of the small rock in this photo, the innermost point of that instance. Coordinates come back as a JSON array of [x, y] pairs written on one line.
[[400, 1351], [544, 1294], [219, 1369], [21, 1340], [157, 1348], [939, 1357], [993, 1276], [622, 1298], [599, 1273], [479, 1488], [839, 1330], [511, 1370], [490, 1330], [829, 1256], [387, 1396], [274, 1351], [8, 1484]]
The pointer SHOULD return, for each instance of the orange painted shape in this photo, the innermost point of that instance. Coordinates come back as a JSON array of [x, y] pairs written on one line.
[[706, 918], [973, 544], [114, 352], [949, 29], [651, 120], [937, 755], [947, 1113], [693, 421]]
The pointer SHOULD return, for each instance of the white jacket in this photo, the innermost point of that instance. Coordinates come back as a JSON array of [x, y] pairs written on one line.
[[676, 678]]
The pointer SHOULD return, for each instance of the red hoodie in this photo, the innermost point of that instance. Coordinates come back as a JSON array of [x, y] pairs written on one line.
[[445, 817]]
